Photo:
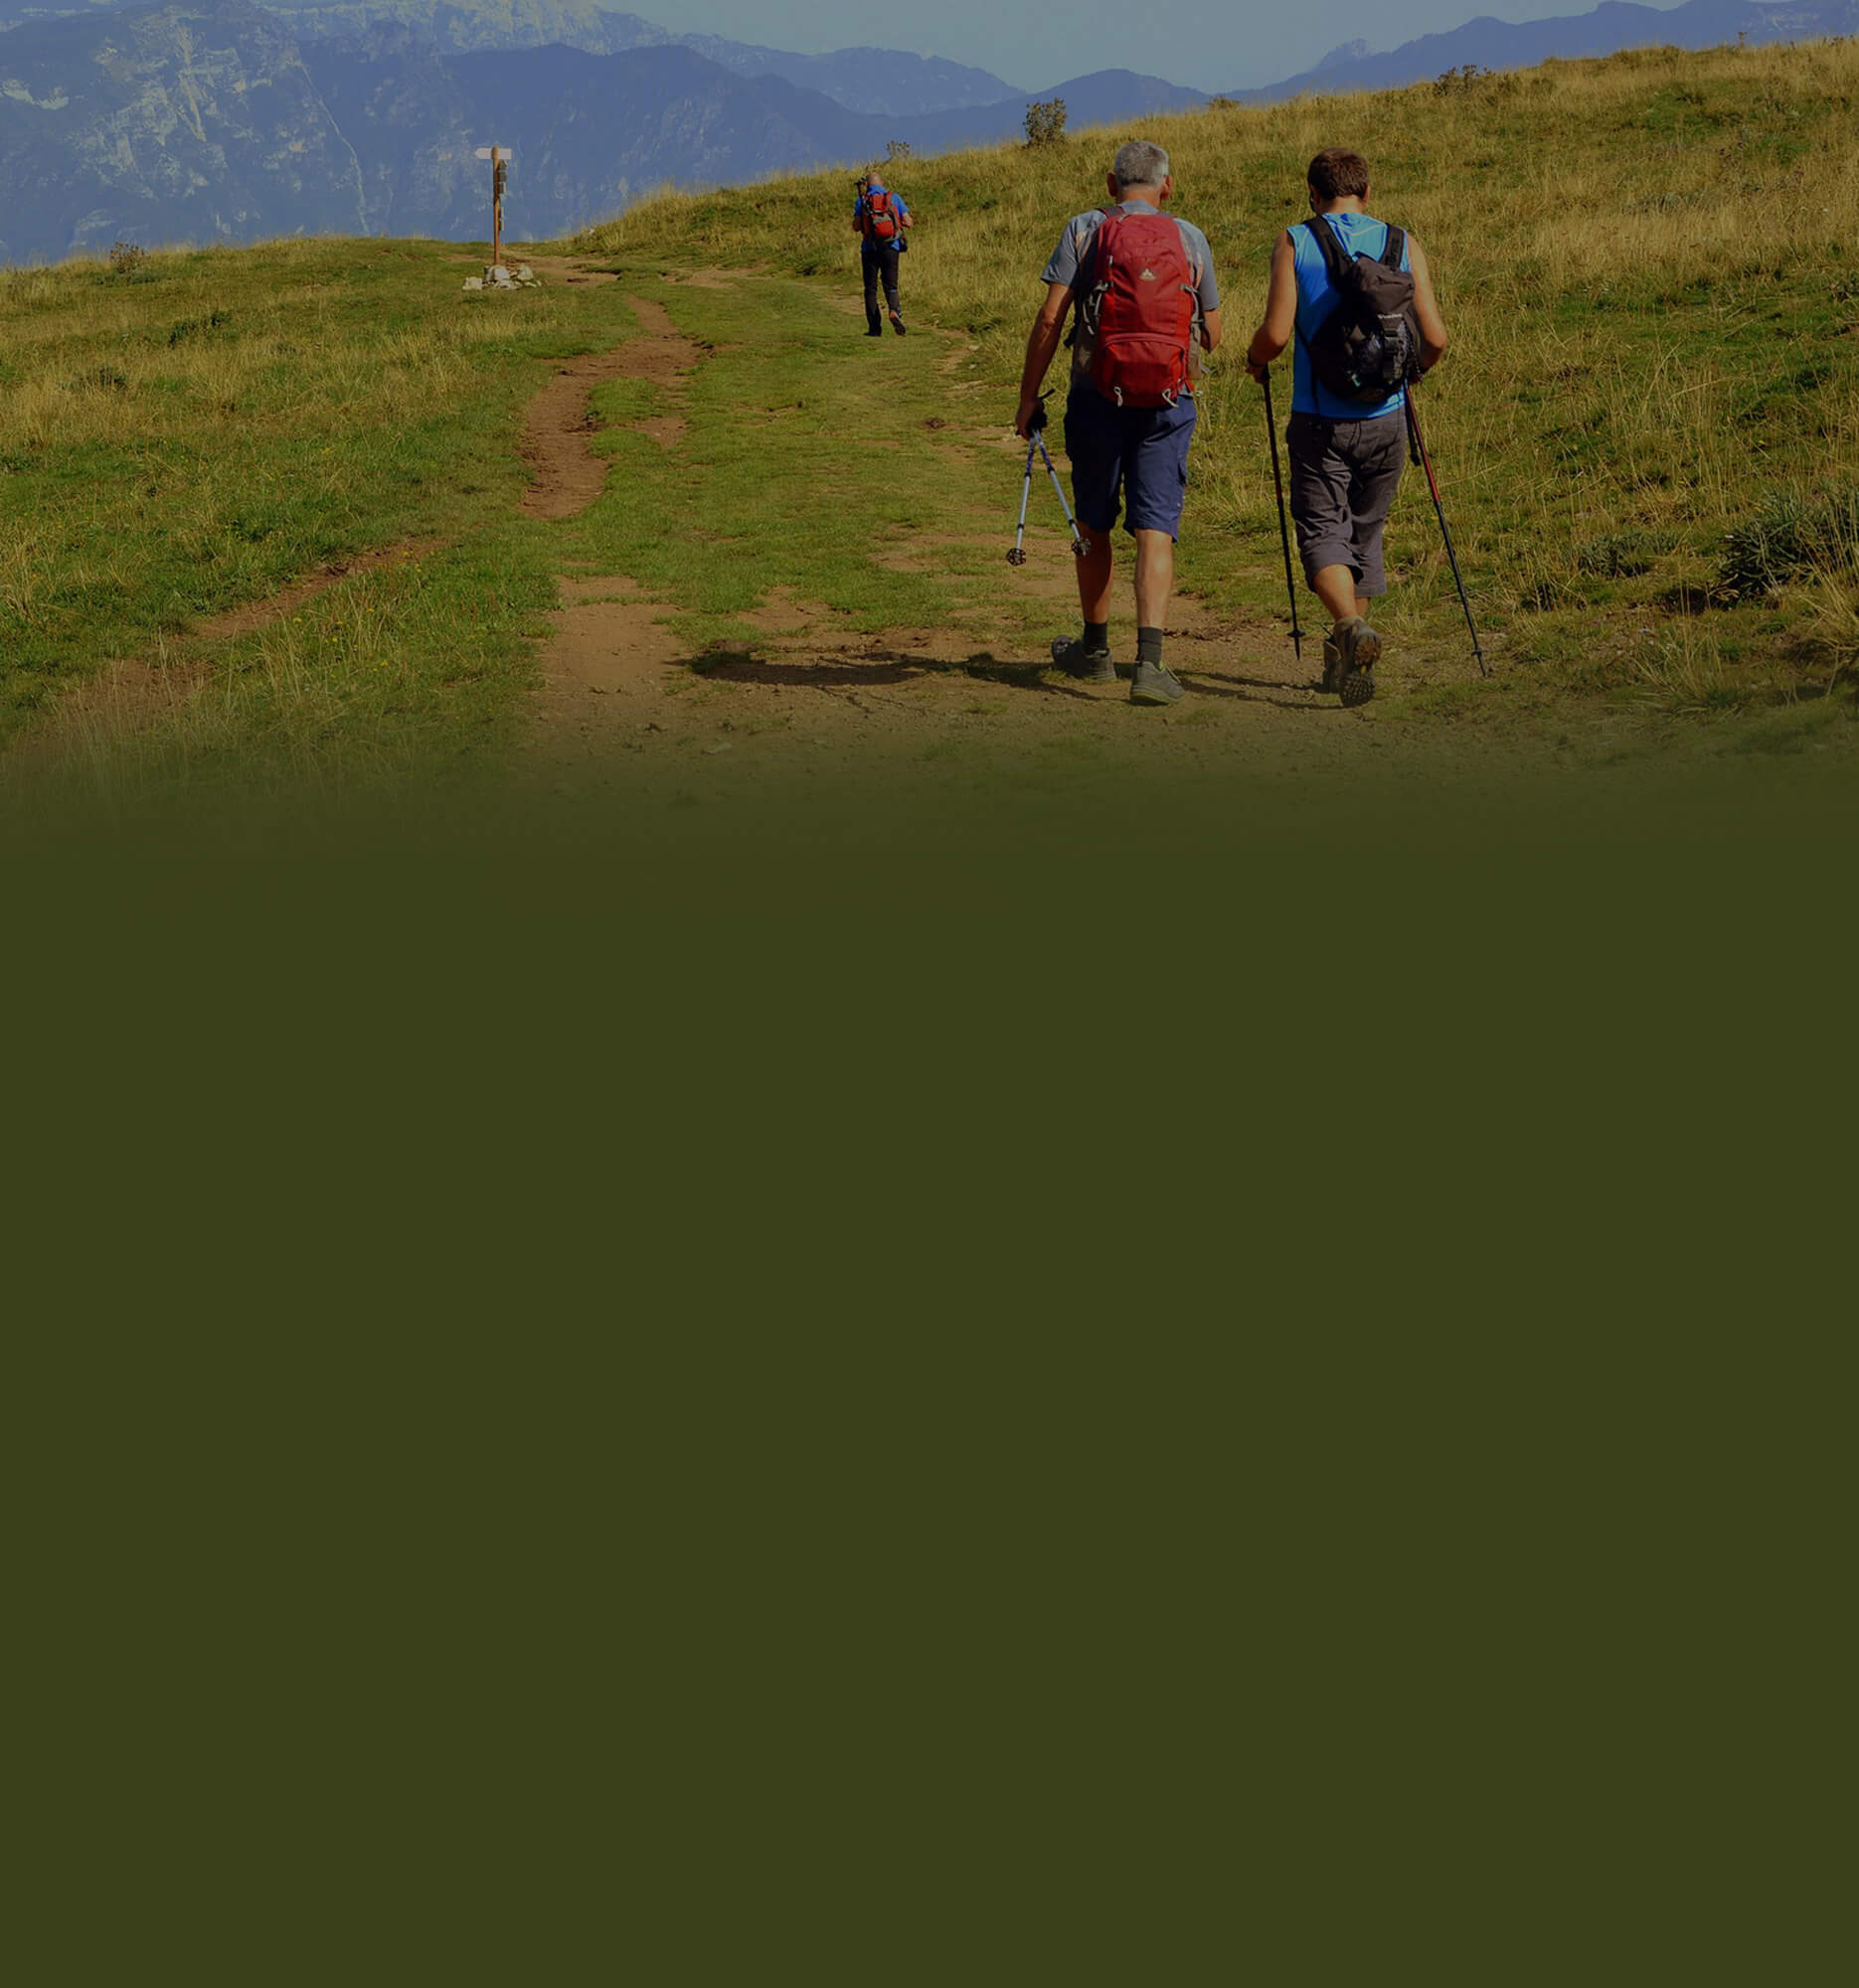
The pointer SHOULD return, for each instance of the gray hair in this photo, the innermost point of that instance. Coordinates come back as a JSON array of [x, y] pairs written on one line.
[[1139, 164]]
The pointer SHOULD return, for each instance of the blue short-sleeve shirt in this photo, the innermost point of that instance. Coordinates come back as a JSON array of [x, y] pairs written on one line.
[[1360, 234]]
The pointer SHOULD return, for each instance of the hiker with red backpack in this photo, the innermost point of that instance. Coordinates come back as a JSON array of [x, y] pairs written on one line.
[[1147, 306], [1356, 298], [880, 216]]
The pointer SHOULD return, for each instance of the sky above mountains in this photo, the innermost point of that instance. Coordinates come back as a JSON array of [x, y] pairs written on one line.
[[1206, 44]]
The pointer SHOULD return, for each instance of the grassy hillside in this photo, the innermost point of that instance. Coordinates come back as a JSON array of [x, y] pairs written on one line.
[[182, 435], [1648, 434], [1652, 399]]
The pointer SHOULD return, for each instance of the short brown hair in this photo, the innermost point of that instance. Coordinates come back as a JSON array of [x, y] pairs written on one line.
[[1338, 172]]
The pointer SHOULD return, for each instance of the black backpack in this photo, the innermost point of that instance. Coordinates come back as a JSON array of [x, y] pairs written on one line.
[[1369, 346]]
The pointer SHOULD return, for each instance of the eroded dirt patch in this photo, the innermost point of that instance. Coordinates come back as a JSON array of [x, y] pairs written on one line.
[[133, 691], [559, 426]]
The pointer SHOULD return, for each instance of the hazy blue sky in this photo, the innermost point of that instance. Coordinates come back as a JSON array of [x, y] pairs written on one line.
[[1210, 43]]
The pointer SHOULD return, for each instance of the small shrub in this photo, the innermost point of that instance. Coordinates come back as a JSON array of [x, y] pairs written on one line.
[[1616, 555], [1460, 80], [897, 150], [1045, 122], [105, 380], [125, 258], [213, 321], [1835, 625], [1790, 535]]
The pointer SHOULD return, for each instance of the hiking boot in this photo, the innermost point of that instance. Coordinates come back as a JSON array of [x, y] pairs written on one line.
[[874, 331], [897, 324], [1332, 663], [1091, 666], [1360, 650], [1154, 685]]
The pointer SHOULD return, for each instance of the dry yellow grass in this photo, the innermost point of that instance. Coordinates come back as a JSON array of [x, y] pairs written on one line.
[[1646, 264]]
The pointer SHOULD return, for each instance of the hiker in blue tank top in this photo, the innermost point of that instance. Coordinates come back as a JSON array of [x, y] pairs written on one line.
[[1347, 448], [880, 217], [1149, 306]]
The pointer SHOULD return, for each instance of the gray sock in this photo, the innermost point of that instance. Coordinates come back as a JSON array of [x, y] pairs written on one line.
[[1150, 646]]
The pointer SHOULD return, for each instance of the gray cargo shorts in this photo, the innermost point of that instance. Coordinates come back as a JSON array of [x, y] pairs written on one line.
[[1343, 480]]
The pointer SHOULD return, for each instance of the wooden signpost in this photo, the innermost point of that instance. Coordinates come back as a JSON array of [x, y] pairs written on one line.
[[499, 157]]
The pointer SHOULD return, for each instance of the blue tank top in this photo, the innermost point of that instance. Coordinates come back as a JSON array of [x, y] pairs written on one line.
[[1360, 234]]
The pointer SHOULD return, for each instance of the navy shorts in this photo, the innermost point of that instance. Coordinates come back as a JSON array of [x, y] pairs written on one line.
[[1140, 453]]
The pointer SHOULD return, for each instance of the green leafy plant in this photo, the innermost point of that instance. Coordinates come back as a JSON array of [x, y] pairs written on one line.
[[1045, 122], [1789, 536], [1616, 555]]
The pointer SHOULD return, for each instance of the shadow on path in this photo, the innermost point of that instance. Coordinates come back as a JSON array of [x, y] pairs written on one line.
[[877, 668]]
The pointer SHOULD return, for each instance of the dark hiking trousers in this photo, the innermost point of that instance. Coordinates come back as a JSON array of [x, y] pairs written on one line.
[[881, 260], [1343, 480]]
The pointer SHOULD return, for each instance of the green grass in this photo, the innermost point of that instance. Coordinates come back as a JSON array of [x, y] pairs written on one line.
[[1646, 266], [811, 464], [190, 437], [1646, 433]]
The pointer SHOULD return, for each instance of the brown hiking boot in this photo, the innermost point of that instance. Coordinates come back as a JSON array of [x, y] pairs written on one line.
[[1332, 662], [1358, 650]]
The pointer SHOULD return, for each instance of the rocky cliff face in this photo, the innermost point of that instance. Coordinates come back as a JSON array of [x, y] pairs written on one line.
[[591, 134], [194, 124], [210, 120], [206, 121]]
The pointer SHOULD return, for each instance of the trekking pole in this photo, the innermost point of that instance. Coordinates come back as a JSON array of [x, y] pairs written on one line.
[[1036, 440], [1285, 531], [1018, 556], [1419, 455], [1078, 543]]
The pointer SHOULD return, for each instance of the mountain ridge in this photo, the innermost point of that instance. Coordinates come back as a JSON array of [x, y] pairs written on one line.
[[187, 120]]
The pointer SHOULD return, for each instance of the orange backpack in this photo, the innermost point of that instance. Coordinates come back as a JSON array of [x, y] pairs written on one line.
[[881, 216]]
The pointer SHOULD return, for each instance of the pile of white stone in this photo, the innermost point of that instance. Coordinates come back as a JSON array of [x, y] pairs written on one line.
[[497, 277]]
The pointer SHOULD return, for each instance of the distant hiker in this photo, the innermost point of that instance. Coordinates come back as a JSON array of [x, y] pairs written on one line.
[[881, 217], [1356, 346], [1144, 283]]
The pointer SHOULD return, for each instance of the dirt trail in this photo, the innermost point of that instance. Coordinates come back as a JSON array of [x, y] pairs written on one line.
[[622, 704], [134, 690], [565, 473]]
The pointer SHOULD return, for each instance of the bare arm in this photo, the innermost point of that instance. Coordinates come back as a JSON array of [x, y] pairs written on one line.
[[1433, 330], [1042, 343], [1210, 330], [1281, 319]]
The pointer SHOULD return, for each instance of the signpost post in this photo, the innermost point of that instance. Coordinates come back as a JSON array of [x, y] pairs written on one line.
[[498, 155]]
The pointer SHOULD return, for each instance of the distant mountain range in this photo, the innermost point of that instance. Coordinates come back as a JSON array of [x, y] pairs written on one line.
[[1612, 26], [204, 121]]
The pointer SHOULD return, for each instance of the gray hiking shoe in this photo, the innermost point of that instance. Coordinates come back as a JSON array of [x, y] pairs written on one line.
[[1154, 685], [1091, 666], [896, 323], [1359, 649]]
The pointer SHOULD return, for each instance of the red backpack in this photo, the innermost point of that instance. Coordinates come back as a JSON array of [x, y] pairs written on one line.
[[881, 216], [1141, 311]]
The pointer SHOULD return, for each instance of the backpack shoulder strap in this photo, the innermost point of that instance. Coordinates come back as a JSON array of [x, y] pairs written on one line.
[[1396, 248], [1336, 257]]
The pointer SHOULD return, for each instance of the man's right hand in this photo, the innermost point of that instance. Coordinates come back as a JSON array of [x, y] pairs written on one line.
[[1030, 418]]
